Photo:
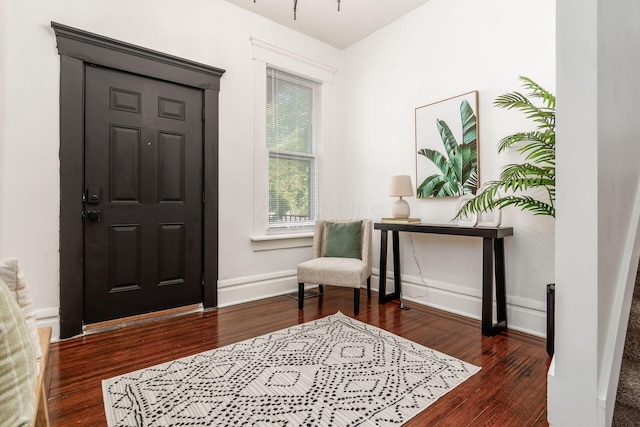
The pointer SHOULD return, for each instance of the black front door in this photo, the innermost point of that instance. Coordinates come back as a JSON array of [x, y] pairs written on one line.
[[143, 201]]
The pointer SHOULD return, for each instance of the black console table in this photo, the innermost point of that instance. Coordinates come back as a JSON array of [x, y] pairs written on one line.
[[492, 259]]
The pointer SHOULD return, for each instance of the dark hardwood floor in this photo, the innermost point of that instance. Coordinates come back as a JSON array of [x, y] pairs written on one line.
[[510, 390]]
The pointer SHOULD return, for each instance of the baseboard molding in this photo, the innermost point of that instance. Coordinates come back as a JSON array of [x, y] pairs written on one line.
[[49, 317], [524, 315], [253, 288]]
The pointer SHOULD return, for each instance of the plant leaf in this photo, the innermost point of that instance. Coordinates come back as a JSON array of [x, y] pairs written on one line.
[[438, 159], [437, 185], [449, 141], [469, 123]]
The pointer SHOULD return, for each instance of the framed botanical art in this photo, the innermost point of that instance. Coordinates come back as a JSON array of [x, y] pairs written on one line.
[[447, 161]]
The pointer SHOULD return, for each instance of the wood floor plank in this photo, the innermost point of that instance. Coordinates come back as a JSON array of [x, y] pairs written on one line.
[[509, 390]]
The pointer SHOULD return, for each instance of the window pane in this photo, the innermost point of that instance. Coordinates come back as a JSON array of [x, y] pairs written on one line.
[[292, 137], [289, 189], [289, 112]]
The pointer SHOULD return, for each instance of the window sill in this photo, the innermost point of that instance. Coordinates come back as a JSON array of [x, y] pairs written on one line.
[[282, 241]]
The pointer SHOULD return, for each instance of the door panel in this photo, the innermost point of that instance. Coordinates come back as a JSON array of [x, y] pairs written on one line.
[[143, 150], [124, 258], [124, 170], [171, 168], [171, 253]]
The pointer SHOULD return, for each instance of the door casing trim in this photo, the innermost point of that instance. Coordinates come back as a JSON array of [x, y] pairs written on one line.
[[76, 49]]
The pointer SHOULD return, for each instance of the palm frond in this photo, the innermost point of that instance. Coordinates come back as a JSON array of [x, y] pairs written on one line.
[[486, 201], [544, 138], [539, 154], [527, 203], [543, 116], [538, 148], [526, 169], [483, 202], [539, 92], [523, 177]]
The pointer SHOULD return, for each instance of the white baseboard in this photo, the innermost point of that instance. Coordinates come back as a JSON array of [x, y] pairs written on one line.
[[49, 317], [524, 315], [253, 288]]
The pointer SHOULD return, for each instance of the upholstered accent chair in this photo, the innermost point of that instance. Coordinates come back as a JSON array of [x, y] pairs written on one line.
[[341, 257]]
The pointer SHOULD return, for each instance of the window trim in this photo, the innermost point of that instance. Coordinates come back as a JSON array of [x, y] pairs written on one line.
[[266, 54], [312, 156]]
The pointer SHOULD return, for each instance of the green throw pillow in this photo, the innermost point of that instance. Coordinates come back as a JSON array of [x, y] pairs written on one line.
[[17, 364], [343, 239]]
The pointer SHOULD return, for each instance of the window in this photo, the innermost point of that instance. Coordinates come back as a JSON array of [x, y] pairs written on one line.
[[293, 114], [293, 96]]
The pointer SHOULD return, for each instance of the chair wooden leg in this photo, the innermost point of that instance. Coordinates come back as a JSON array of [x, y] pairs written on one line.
[[320, 289], [369, 287], [300, 296], [356, 301]]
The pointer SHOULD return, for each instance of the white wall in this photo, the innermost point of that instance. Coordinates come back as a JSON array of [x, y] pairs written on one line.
[[598, 243], [213, 32], [443, 49]]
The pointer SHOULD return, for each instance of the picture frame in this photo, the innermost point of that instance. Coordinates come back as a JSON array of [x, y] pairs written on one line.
[[447, 147]]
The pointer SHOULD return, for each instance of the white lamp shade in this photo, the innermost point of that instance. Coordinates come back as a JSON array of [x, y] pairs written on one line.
[[401, 186]]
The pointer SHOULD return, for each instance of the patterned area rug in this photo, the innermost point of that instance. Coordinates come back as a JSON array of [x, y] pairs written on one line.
[[334, 371]]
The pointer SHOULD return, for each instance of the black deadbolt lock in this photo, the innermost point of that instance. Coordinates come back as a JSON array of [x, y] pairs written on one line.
[[93, 195]]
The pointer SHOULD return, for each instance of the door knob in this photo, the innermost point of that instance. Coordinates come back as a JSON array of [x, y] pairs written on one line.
[[93, 216]]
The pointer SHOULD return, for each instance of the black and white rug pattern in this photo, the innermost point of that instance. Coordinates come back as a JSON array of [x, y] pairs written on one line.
[[335, 371]]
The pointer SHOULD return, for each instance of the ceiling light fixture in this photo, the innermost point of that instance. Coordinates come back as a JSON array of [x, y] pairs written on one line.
[[295, 8]]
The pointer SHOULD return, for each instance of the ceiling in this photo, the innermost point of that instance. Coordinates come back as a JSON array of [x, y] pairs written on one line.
[[321, 20]]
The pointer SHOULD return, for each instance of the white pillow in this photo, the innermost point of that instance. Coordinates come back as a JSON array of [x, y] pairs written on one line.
[[15, 280]]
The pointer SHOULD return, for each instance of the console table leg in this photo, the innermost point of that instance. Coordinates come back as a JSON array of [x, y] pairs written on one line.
[[382, 286], [396, 265], [501, 293], [487, 286]]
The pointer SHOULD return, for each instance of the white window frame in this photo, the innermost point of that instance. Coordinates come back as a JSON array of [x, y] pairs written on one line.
[[313, 157], [264, 55]]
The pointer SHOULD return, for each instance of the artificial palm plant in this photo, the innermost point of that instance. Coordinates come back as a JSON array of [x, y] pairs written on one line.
[[539, 168], [459, 166]]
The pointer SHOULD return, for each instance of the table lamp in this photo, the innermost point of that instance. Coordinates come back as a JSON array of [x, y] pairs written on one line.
[[400, 186]]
